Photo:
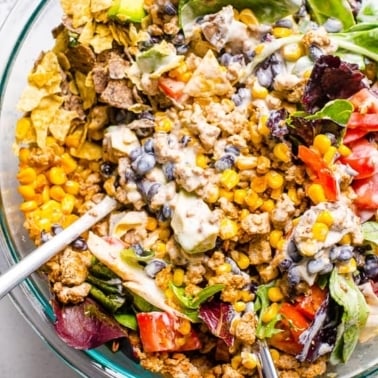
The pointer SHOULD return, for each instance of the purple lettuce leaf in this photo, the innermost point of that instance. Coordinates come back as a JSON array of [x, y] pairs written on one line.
[[85, 325], [331, 78], [217, 315]]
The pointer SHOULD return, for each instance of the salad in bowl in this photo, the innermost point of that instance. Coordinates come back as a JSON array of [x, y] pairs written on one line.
[[240, 142]]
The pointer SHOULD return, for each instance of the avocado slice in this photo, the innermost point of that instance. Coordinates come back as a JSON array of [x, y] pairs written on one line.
[[127, 10]]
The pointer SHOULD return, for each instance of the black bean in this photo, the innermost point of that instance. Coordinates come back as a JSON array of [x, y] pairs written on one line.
[[284, 23], [333, 25], [79, 244], [185, 140], [264, 76], [148, 146], [143, 164], [315, 52], [169, 171], [129, 175], [341, 253], [121, 116], [285, 264], [45, 236], [225, 162], [179, 39], [182, 49], [107, 168], [241, 96], [138, 249], [166, 212], [135, 153], [146, 115], [292, 251], [371, 266], [152, 190], [56, 229], [154, 267], [315, 266], [232, 150], [293, 276], [169, 9]]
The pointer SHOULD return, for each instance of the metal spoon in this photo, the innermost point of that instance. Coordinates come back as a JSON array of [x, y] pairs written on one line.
[[46, 251], [267, 368]]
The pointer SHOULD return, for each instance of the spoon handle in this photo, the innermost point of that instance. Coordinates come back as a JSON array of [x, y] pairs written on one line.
[[267, 364], [46, 251]]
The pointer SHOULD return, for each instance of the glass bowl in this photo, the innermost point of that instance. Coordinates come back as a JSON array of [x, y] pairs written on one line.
[[25, 33]]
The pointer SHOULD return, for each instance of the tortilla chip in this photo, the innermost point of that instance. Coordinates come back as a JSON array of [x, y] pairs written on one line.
[[45, 80], [61, 124], [87, 33], [100, 5], [79, 10], [84, 84], [42, 116], [102, 40]]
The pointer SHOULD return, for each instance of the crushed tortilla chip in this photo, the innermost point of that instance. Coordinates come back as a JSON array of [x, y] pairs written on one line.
[[42, 116], [61, 124], [45, 80], [102, 40], [85, 86], [100, 5], [79, 10], [88, 151], [87, 33]]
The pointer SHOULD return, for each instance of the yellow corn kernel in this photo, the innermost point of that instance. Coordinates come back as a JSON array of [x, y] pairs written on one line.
[[281, 244], [242, 260], [160, 249], [202, 161], [212, 195], [45, 194], [68, 204], [295, 221], [73, 140], [24, 155], [169, 294], [276, 193], [255, 136], [249, 360], [228, 105], [275, 294], [293, 195], [235, 362], [275, 354], [322, 143], [319, 231], [226, 194], [23, 128], [246, 16], [262, 127], [26, 175], [346, 239], [246, 296], [223, 268], [268, 205], [71, 187], [316, 193], [343, 150], [57, 176], [228, 228], [151, 224], [68, 163], [259, 184], [57, 193], [274, 180], [325, 217], [27, 192], [164, 233], [347, 267], [185, 327], [280, 32], [293, 51], [28, 206], [274, 237], [229, 178], [251, 198], [282, 152], [263, 165], [243, 213], [259, 48], [239, 196], [43, 224], [69, 219], [239, 306], [258, 91], [178, 277], [164, 125], [330, 155], [270, 313], [244, 162], [41, 181]]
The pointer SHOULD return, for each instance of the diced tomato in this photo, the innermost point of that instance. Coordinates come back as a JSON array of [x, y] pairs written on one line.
[[367, 122], [171, 88], [160, 332], [365, 100], [367, 192], [323, 174], [309, 303], [363, 159], [293, 320], [352, 135], [284, 341]]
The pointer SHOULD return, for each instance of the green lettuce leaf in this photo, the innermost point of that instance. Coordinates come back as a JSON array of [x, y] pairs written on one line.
[[370, 232]]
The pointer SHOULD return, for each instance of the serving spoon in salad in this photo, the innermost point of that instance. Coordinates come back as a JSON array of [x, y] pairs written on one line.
[[34, 260]]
